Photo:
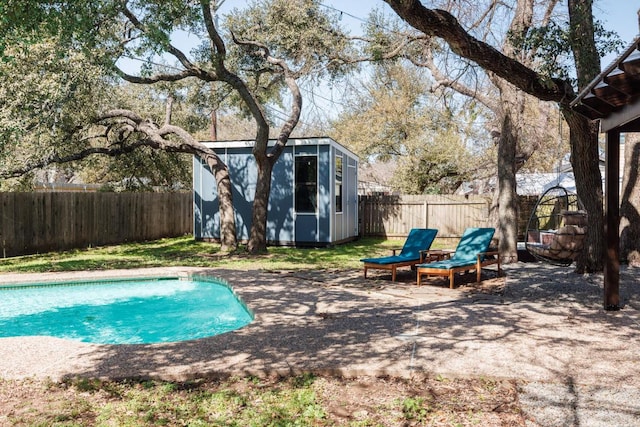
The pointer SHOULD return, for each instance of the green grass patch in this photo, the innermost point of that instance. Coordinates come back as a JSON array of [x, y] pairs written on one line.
[[235, 402], [185, 251]]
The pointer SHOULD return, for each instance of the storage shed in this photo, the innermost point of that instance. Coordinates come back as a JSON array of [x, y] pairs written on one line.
[[313, 200]]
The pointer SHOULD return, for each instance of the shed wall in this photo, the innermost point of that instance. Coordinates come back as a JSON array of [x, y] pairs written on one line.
[[284, 224]]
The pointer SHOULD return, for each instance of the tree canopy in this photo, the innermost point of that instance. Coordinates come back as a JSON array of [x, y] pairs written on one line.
[[64, 107], [252, 65], [394, 117]]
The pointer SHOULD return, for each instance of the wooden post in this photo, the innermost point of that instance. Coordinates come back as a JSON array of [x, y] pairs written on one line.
[[426, 214], [612, 222]]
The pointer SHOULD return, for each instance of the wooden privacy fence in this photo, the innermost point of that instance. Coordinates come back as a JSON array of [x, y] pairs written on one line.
[[48, 221], [394, 216]]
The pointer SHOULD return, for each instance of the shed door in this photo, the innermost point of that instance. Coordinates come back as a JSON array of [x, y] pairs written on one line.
[[306, 198]]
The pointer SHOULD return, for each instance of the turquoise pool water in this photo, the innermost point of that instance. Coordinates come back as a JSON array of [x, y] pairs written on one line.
[[122, 312]]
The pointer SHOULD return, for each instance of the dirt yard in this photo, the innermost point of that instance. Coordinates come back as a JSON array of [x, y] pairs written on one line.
[[344, 402]]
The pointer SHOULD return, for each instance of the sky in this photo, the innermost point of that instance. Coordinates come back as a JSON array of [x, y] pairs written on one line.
[[620, 16], [617, 15]]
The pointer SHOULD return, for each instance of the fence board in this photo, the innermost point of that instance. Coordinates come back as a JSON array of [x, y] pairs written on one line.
[[45, 221], [395, 216]]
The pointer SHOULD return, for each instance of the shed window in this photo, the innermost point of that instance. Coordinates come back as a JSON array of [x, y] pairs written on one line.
[[306, 184], [338, 183]]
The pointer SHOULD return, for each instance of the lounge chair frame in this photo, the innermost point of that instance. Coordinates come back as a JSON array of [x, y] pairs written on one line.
[[393, 266], [481, 261], [472, 253]]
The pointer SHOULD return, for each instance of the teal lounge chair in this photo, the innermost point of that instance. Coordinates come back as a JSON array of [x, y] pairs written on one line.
[[419, 239], [471, 254]]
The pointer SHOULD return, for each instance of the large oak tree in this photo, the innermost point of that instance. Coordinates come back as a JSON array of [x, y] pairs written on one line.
[[503, 106], [583, 133]]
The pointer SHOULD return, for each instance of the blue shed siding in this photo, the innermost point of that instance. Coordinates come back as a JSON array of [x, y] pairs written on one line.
[[197, 196], [284, 224], [280, 220], [244, 174]]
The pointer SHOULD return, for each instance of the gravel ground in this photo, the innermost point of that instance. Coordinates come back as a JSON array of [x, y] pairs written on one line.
[[607, 391], [544, 326]]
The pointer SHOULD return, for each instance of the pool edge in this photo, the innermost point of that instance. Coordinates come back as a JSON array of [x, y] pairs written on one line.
[[18, 280]]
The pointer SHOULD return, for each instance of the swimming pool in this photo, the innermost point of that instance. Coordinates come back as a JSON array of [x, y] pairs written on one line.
[[123, 311]]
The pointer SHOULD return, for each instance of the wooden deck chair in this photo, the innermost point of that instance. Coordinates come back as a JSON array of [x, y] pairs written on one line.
[[471, 254], [419, 239]]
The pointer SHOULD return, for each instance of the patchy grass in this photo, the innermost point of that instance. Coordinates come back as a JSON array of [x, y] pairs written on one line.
[[185, 251], [304, 400]]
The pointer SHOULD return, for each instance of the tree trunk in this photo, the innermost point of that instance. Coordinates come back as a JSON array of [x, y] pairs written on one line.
[[507, 200], [228, 238], [630, 203], [266, 158], [512, 112], [258, 238], [585, 157], [585, 160]]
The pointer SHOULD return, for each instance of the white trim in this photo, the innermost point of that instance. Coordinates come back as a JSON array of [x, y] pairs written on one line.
[[318, 192], [332, 193], [337, 217], [295, 142], [294, 213], [315, 214], [195, 191], [354, 204]]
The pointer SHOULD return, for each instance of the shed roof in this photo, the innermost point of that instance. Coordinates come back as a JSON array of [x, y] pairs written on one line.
[[534, 184], [297, 142], [611, 96]]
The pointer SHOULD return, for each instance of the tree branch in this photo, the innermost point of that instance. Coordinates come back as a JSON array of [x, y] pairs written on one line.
[[442, 80], [160, 77], [58, 159], [190, 68], [216, 40], [549, 12], [168, 47], [395, 52], [121, 126], [440, 23], [292, 84], [168, 111]]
